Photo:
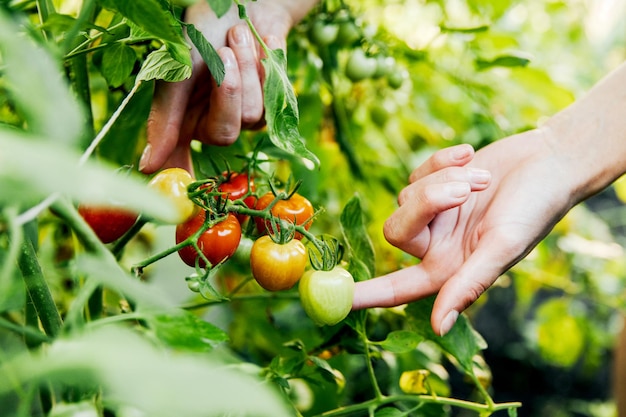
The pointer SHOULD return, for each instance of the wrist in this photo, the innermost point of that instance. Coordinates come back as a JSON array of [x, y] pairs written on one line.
[[588, 138]]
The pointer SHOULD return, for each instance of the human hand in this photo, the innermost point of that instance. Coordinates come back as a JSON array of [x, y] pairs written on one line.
[[469, 217], [197, 108]]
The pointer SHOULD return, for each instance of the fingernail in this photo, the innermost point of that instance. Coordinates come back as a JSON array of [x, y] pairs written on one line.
[[144, 161], [458, 189], [242, 35], [448, 322], [461, 152], [479, 176]]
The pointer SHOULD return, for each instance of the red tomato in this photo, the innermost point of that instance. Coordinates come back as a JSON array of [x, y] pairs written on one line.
[[296, 209], [217, 243], [236, 186], [109, 223]]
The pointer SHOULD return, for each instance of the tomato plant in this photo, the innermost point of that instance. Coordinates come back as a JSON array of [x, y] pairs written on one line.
[[277, 266], [326, 296], [109, 223], [173, 183], [217, 243], [295, 209]]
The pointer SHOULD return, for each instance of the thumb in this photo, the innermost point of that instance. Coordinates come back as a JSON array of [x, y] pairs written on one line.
[[474, 277], [164, 123]]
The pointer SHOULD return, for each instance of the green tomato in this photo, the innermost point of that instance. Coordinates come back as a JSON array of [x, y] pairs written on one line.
[[349, 33], [326, 296], [396, 77], [360, 66], [323, 33]]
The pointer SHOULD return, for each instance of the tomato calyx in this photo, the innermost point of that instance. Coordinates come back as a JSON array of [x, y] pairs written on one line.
[[325, 252]]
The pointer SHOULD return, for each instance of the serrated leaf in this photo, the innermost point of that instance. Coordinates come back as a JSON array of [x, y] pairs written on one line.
[[160, 65], [462, 342], [281, 108], [502, 61], [401, 341], [187, 332], [357, 240], [150, 16], [208, 53], [220, 7], [118, 62], [38, 86]]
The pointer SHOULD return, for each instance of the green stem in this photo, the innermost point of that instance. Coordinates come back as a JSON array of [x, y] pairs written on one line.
[[247, 297], [368, 360], [28, 332], [105, 129], [38, 290], [422, 399]]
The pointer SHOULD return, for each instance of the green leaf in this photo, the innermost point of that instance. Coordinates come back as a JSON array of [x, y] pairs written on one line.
[[208, 53], [160, 65], [502, 61], [389, 412], [118, 62], [136, 375], [357, 240], [281, 108], [401, 341], [462, 342], [38, 87], [187, 332], [220, 7], [150, 16], [31, 169], [474, 29]]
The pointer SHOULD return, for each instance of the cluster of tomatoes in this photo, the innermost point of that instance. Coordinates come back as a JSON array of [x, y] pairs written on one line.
[[212, 214], [341, 30]]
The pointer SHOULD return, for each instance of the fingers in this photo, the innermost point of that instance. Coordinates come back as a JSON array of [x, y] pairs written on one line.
[[476, 275], [242, 43], [421, 201], [458, 155], [164, 123], [396, 288]]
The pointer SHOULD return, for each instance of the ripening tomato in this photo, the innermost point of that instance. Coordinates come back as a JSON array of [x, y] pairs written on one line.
[[327, 296], [236, 186], [173, 183], [109, 222], [297, 209], [277, 266], [217, 243]]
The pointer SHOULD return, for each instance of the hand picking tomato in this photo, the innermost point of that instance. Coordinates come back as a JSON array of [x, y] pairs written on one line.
[[327, 296], [217, 243], [296, 209], [277, 266], [236, 186], [173, 183], [108, 222]]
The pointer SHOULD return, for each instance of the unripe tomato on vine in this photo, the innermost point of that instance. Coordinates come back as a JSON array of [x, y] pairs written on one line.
[[327, 296], [295, 209], [360, 66], [277, 266], [173, 183], [218, 243]]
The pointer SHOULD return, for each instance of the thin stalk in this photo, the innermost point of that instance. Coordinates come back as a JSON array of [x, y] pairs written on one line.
[[105, 129], [38, 290], [26, 331]]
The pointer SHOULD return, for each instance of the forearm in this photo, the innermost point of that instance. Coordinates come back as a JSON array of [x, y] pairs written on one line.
[[589, 136], [297, 9]]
